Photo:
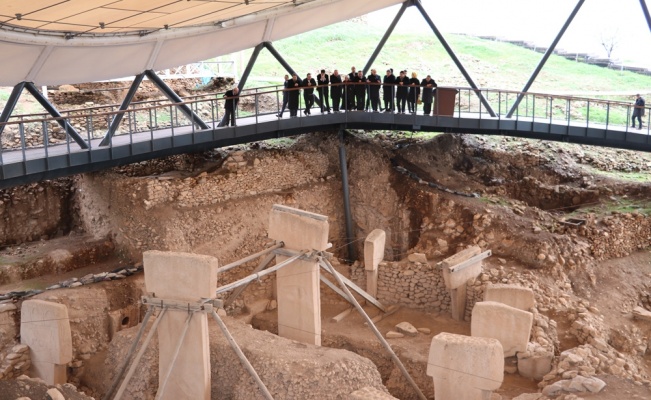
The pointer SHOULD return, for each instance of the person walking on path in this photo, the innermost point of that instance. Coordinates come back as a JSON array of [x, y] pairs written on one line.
[[230, 106], [638, 111]]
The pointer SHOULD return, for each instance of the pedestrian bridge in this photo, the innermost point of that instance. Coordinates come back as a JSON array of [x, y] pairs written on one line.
[[38, 147]]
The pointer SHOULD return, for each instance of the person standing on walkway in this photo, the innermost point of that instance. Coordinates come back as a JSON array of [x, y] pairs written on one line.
[[322, 82], [335, 90], [638, 111], [293, 95], [352, 76], [414, 92], [389, 91], [230, 106], [402, 91], [349, 94], [360, 90], [308, 93], [429, 86], [374, 83], [285, 97]]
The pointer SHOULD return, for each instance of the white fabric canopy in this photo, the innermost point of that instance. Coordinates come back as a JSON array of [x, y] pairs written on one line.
[[47, 59]]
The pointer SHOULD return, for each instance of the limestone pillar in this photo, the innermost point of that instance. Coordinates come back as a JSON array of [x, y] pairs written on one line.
[[297, 285], [456, 278], [465, 367], [509, 325], [373, 256], [512, 295], [182, 277], [45, 328]]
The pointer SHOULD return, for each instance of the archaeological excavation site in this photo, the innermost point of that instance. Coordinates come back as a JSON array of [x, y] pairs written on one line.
[[343, 264]]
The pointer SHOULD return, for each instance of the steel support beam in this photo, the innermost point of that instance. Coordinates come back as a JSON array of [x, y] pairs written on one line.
[[386, 36], [350, 237], [173, 97], [123, 107], [279, 58], [645, 10], [11, 104], [543, 61], [70, 131], [454, 57]]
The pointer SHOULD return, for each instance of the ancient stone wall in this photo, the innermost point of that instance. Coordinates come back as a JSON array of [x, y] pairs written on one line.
[[15, 363]]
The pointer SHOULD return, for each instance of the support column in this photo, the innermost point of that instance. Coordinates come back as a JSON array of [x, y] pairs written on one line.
[[278, 57], [386, 36], [70, 131], [343, 162], [456, 60], [182, 277], [173, 97], [543, 61], [11, 104], [123, 107], [645, 10], [299, 295]]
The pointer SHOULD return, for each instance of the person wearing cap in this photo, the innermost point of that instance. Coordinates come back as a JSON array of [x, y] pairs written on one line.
[[322, 81], [389, 91], [402, 91], [638, 110], [429, 86], [374, 83]]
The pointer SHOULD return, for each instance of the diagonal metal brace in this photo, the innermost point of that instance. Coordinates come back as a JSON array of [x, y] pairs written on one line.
[[353, 286], [123, 107]]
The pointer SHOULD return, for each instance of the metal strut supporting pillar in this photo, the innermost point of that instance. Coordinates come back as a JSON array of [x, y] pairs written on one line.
[[645, 10], [456, 60], [11, 104], [387, 35], [70, 131], [123, 107], [172, 96], [350, 237], [543, 61]]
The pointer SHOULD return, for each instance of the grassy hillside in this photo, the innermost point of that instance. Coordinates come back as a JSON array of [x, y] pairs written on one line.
[[491, 64]]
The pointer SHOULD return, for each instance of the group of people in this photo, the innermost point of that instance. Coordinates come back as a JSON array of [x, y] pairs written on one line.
[[358, 92]]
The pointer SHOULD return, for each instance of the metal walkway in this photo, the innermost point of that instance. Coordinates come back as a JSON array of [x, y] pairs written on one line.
[[156, 129]]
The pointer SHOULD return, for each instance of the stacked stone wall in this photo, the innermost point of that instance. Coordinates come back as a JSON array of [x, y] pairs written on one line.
[[15, 363]]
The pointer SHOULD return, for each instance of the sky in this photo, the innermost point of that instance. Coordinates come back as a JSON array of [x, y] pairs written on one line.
[[538, 21]]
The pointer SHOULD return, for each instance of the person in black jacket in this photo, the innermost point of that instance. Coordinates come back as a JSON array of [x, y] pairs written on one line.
[[351, 77], [322, 81], [638, 111], [349, 93], [389, 91], [285, 97], [360, 90], [402, 91], [293, 95], [308, 93], [230, 105], [414, 92], [429, 87], [336, 90], [374, 83]]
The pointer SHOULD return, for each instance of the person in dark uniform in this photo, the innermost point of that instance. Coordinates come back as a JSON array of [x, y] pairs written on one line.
[[351, 77], [349, 94], [389, 91], [322, 82], [429, 86], [402, 91], [374, 83], [308, 93], [230, 105], [638, 111], [336, 90], [360, 90], [414, 93], [285, 97], [293, 95]]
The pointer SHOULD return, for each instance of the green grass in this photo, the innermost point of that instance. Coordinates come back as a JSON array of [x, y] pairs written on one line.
[[621, 206], [491, 64]]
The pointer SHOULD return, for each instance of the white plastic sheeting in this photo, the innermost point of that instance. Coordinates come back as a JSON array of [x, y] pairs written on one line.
[[50, 60]]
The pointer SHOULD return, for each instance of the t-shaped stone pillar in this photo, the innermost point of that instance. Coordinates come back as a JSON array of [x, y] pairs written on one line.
[[45, 328], [373, 255], [457, 270], [465, 367], [299, 293], [182, 277]]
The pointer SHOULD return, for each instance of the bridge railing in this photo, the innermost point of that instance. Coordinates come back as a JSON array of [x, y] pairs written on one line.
[[162, 117]]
